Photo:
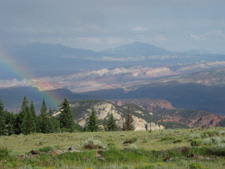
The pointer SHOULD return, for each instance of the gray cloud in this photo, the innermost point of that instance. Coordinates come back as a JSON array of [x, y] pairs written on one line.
[[101, 24]]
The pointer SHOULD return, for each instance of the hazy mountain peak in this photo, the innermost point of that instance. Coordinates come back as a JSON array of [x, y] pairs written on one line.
[[137, 49]]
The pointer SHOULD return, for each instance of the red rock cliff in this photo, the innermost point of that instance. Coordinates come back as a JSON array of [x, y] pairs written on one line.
[[149, 104]]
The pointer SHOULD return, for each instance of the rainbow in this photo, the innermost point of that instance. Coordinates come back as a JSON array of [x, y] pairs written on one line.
[[15, 67]]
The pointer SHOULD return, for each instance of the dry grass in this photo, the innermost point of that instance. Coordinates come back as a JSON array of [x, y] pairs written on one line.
[[146, 140], [21, 144]]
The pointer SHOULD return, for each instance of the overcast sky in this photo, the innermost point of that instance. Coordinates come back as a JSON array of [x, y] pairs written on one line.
[[176, 25]]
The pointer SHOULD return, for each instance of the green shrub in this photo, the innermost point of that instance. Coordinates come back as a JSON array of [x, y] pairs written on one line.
[[81, 157], [167, 139], [178, 140], [209, 134], [92, 143], [195, 136], [223, 140], [196, 142], [217, 140], [219, 150], [196, 166], [204, 151], [112, 146], [146, 140], [221, 146], [46, 149], [136, 156], [133, 147], [130, 141], [146, 166], [4, 153], [207, 141]]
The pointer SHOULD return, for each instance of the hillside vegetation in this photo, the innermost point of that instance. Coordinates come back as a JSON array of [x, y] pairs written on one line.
[[174, 148]]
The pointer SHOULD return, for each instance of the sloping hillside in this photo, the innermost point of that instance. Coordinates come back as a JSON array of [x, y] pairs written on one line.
[[159, 118], [140, 116]]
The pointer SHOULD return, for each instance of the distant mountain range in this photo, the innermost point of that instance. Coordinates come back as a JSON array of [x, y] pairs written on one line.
[[190, 80], [137, 50], [53, 59]]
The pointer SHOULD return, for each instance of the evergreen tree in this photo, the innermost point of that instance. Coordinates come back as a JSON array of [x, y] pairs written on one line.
[[66, 117], [33, 117], [23, 115], [27, 126], [92, 122], [7, 120], [2, 120], [43, 119], [10, 123], [1, 106], [17, 124], [54, 125], [111, 124]]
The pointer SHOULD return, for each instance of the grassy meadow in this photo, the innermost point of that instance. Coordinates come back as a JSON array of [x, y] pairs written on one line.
[[194, 148]]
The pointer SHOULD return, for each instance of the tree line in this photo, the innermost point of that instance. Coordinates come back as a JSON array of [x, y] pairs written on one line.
[[27, 121]]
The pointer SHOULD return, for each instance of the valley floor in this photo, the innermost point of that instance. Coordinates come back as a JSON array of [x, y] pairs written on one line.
[[195, 148]]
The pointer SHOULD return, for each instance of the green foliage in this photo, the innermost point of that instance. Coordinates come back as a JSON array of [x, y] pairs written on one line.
[[66, 116], [207, 141], [111, 124], [2, 120], [131, 140], [195, 136], [146, 166], [92, 122], [22, 117], [91, 143], [27, 124], [171, 139], [46, 149], [217, 140], [111, 146], [54, 125], [133, 147], [33, 119], [196, 142], [4, 153], [129, 156], [7, 121], [197, 166], [43, 119], [78, 157], [178, 140], [167, 139], [1, 106], [209, 134]]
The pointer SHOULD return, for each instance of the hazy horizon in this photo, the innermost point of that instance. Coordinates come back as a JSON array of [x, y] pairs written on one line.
[[173, 25]]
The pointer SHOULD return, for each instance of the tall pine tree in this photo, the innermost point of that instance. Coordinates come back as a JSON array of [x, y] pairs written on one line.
[[92, 122], [43, 119], [66, 117], [33, 117], [23, 118], [2, 120], [10, 123], [27, 126], [111, 124]]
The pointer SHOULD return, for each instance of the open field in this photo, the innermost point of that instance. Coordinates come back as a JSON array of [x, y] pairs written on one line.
[[125, 150]]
